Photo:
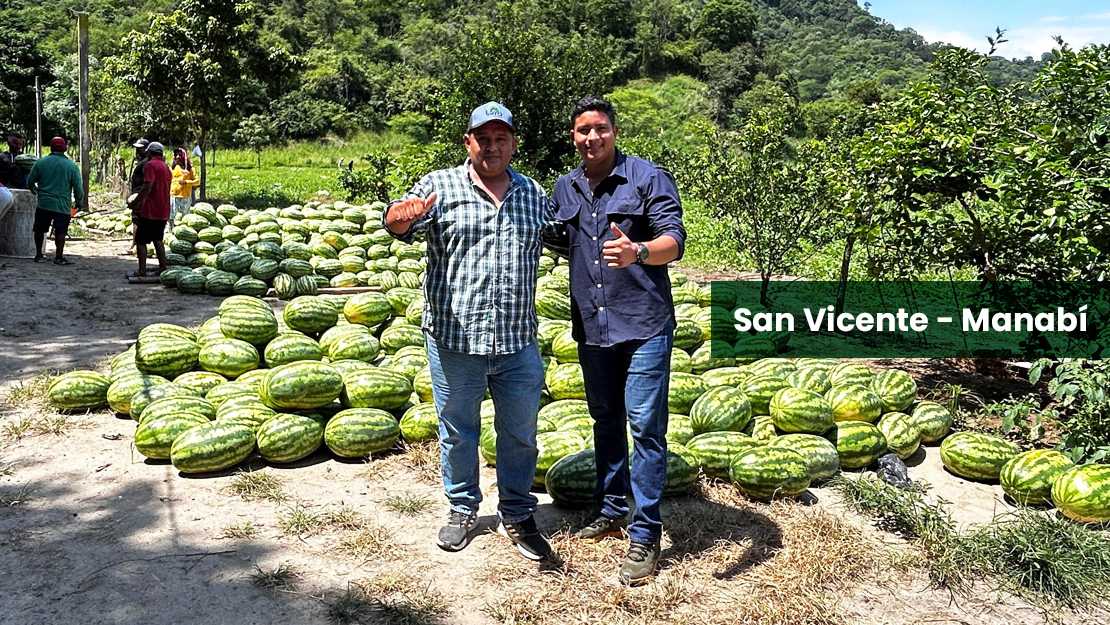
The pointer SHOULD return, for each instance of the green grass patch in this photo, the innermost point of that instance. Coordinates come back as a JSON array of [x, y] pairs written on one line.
[[30, 391], [257, 486], [408, 504]]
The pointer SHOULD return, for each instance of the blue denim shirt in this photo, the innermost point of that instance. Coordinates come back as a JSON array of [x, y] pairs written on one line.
[[608, 305]]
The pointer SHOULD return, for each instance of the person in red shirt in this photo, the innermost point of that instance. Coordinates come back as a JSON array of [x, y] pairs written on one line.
[[153, 208]]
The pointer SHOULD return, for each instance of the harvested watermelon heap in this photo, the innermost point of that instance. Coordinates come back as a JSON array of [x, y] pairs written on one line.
[[350, 373], [296, 250]]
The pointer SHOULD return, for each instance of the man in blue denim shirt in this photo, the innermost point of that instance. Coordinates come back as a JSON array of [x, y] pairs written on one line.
[[623, 221], [483, 222]]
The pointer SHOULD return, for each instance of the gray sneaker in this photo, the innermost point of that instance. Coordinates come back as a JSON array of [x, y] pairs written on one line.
[[639, 564], [455, 536], [529, 542], [601, 527]]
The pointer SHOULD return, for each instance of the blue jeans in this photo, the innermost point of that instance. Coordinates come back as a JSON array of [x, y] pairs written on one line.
[[458, 385], [628, 384]]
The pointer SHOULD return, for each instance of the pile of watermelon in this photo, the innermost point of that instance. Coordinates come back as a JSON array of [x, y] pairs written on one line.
[[350, 374], [295, 250]]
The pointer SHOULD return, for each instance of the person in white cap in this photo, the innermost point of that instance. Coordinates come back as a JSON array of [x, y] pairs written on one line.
[[483, 222], [151, 209]]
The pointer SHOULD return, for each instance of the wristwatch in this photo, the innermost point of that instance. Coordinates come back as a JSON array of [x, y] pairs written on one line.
[[641, 253]]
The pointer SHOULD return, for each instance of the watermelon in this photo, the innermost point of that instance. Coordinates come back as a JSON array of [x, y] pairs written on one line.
[[854, 403], [761, 428], [902, 436], [552, 447], [715, 450], [822, 458], [848, 373], [487, 444], [376, 388], [679, 429], [285, 286], [798, 410], [976, 456], [859, 444], [78, 390], [400, 298], [420, 423], [896, 389], [252, 415], [565, 381], [725, 376], [564, 347], [685, 389], [289, 437], [703, 359], [146, 395], [169, 406], [229, 357], [1028, 477], [124, 388], [810, 379], [166, 350], [290, 347], [1082, 493], [218, 395], [220, 282], [764, 472], [422, 384], [720, 409], [353, 346], [687, 335], [682, 470], [395, 337], [253, 378], [681, 361], [200, 382], [552, 304], [310, 314], [933, 421], [155, 436], [360, 432], [295, 267], [191, 283], [773, 367], [303, 384], [255, 324], [213, 446], [760, 389], [564, 411], [546, 332]]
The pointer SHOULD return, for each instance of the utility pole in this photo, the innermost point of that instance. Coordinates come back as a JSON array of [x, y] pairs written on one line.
[[83, 96], [38, 119]]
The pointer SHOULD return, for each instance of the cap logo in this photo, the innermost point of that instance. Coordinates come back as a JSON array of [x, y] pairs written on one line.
[[493, 110]]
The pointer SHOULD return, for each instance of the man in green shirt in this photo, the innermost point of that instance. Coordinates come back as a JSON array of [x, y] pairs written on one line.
[[55, 179]]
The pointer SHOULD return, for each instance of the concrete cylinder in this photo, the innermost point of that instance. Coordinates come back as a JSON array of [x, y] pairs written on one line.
[[16, 238]]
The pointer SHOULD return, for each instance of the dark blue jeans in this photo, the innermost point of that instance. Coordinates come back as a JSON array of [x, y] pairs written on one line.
[[627, 384]]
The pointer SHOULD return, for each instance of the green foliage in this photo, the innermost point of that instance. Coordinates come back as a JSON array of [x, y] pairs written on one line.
[[254, 132], [412, 124], [725, 24], [1079, 390], [676, 110]]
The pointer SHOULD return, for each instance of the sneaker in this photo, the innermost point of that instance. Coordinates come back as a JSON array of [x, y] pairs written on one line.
[[455, 536], [39, 258], [601, 527], [639, 564], [529, 542]]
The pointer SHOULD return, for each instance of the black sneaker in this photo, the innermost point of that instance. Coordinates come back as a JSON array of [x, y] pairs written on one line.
[[601, 527], [529, 542], [455, 536], [639, 564], [39, 258]]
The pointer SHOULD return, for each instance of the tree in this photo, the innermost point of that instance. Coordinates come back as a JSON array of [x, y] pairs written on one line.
[[725, 24], [194, 58], [256, 133]]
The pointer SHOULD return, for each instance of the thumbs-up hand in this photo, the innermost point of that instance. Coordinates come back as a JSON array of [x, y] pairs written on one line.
[[401, 215], [618, 252]]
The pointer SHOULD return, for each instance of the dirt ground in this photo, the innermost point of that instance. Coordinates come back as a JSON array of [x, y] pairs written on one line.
[[91, 533]]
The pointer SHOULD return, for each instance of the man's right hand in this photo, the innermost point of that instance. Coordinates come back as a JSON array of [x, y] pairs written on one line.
[[400, 216]]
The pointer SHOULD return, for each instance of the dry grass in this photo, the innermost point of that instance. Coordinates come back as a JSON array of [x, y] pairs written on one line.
[[30, 392], [16, 497], [391, 597], [246, 529], [7, 469], [300, 520], [343, 518], [371, 542], [419, 461], [53, 424], [282, 577], [257, 486], [725, 560], [353, 606], [408, 504]]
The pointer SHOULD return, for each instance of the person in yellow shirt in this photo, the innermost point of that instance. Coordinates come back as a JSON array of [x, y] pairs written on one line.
[[181, 188]]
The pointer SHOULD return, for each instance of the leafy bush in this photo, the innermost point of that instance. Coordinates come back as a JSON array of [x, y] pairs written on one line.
[[1079, 389]]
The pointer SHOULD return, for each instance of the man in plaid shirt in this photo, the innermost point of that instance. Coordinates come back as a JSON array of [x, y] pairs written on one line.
[[483, 222]]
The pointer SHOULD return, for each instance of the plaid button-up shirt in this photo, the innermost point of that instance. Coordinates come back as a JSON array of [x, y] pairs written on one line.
[[480, 284]]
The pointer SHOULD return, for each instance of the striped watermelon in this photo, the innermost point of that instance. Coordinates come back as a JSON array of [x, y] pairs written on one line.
[[720, 409], [375, 388], [398, 336], [290, 347], [564, 411], [353, 346], [154, 437], [760, 389], [368, 309], [1082, 493], [546, 332], [252, 322], [819, 364], [685, 389], [680, 361], [169, 406], [302, 384], [859, 444], [487, 444], [252, 415], [253, 378], [166, 350], [822, 459], [310, 314], [1028, 477], [764, 472], [422, 384], [565, 381], [564, 347], [253, 287], [902, 436], [420, 423], [976, 456], [897, 389], [848, 373], [932, 420], [149, 394], [703, 359], [552, 447], [552, 304], [360, 432], [213, 446], [572, 480], [200, 382], [400, 297], [797, 410], [810, 379], [715, 450], [854, 403], [123, 389], [228, 357], [679, 429], [725, 376], [289, 437], [761, 428], [682, 470], [687, 335], [79, 390], [773, 367], [218, 395]]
